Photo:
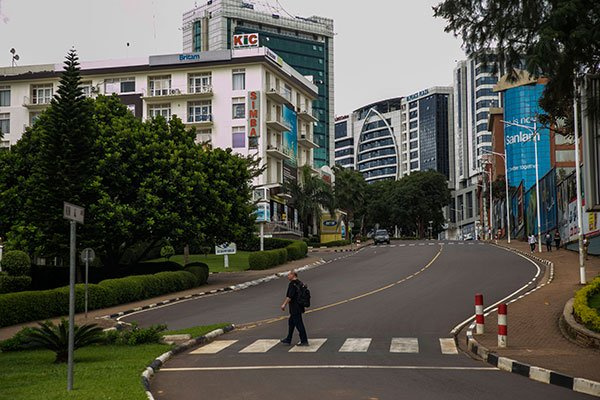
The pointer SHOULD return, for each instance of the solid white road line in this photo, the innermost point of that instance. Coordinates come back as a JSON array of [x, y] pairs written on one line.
[[404, 345], [355, 345], [269, 367], [214, 347], [260, 346], [313, 346], [448, 346]]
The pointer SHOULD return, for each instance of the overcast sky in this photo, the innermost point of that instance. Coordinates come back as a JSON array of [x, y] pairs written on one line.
[[382, 48]]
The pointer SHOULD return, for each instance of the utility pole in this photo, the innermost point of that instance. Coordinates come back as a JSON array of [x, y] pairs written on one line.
[[582, 278]]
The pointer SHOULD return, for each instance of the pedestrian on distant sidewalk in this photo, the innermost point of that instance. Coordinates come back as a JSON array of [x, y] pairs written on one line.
[[586, 246], [548, 241], [557, 239], [531, 241], [292, 298]]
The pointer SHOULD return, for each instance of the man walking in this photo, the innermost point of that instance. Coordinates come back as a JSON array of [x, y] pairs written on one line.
[[548, 241], [532, 242], [296, 310], [557, 239]]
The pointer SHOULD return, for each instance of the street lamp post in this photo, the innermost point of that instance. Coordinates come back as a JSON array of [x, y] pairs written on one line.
[[491, 214], [582, 277], [506, 184], [535, 138]]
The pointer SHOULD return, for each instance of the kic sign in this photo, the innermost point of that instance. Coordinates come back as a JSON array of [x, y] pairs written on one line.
[[246, 40]]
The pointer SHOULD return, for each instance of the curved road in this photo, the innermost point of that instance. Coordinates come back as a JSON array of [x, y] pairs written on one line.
[[394, 302]]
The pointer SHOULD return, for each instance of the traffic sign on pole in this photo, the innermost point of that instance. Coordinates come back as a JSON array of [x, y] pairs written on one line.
[[87, 256]]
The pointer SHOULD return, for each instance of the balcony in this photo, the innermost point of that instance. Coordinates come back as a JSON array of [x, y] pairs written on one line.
[[308, 116], [36, 104], [277, 152], [277, 124], [192, 93], [200, 120], [306, 140], [280, 96]]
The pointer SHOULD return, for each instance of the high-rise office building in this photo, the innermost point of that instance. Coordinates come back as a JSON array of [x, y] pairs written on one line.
[[306, 44], [344, 142], [474, 96]]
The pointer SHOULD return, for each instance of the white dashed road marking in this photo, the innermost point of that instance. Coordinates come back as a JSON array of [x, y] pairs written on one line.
[[260, 346], [313, 346], [448, 346], [214, 347], [356, 345], [404, 345]]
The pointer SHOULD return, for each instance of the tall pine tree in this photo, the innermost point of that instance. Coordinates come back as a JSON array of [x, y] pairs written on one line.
[[64, 164]]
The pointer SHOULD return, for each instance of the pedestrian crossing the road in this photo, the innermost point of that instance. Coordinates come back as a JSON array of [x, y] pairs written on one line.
[[351, 345]]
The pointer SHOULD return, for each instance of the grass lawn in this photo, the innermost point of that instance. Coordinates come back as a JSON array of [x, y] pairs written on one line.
[[237, 262], [594, 302], [101, 372]]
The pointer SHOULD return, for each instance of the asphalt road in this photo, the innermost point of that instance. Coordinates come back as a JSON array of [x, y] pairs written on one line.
[[397, 301]]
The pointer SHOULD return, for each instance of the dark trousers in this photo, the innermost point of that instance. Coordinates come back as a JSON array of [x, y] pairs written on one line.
[[295, 322], [532, 245], [549, 245], [557, 242]]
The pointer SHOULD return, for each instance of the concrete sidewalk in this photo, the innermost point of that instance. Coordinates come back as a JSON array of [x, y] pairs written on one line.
[[534, 336], [215, 281]]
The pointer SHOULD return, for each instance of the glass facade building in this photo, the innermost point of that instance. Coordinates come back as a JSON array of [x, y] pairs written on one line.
[[434, 131]]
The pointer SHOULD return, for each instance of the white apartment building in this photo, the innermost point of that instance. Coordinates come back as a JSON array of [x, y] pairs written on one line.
[[248, 100]]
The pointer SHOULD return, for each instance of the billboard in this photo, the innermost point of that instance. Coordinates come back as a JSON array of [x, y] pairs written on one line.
[[517, 211], [253, 118], [290, 145], [548, 208], [521, 106]]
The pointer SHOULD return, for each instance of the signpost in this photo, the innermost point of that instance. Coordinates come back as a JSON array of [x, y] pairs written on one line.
[[225, 250], [74, 214], [87, 256]]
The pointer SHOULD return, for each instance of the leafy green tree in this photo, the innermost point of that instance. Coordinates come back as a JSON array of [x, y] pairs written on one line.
[[309, 196], [553, 38], [349, 191]]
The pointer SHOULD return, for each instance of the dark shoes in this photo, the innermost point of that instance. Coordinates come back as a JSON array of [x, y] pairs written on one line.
[[302, 344], [286, 341]]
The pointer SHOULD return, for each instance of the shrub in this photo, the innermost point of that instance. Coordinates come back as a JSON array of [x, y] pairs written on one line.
[[124, 290], [253, 244], [16, 263], [336, 243], [167, 252], [200, 271], [583, 312], [20, 341], [11, 284], [135, 335], [267, 259], [56, 338], [297, 250]]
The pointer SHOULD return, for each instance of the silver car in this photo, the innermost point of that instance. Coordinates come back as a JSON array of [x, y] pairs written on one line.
[[381, 236]]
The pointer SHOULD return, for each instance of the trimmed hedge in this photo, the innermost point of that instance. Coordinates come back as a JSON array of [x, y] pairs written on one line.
[[583, 312], [336, 243], [271, 258], [269, 244], [200, 270], [16, 263], [11, 284], [27, 306], [267, 259]]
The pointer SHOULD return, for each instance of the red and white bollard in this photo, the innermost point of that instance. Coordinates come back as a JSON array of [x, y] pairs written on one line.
[[479, 318], [502, 328]]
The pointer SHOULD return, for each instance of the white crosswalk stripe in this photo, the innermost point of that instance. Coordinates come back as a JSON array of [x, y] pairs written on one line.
[[260, 346], [355, 345], [313, 346], [448, 346], [404, 345], [214, 347]]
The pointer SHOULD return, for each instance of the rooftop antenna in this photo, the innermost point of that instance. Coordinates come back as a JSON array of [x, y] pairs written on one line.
[[15, 57]]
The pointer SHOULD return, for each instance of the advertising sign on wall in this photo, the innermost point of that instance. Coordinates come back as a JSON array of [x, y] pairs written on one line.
[[548, 208], [521, 106], [253, 118], [246, 40], [290, 145]]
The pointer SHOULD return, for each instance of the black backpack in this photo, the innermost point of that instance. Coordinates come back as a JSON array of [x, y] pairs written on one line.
[[303, 295]]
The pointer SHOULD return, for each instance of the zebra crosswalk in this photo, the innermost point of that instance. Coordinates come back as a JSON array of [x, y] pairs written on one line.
[[400, 345]]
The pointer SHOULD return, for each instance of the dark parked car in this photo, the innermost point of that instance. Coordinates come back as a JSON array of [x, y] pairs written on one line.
[[381, 236]]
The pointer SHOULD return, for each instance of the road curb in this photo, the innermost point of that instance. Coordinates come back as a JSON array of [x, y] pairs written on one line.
[[535, 373], [327, 250], [159, 361], [239, 286]]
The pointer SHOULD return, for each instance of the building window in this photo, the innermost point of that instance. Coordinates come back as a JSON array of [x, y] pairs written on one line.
[[5, 123], [200, 83], [160, 109], [86, 88], [238, 137], [41, 94], [4, 96], [33, 117], [239, 79], [159, 85], [119, 85], [239, 108], [199, 111], [197, 36], [414, 165], [414, 145]]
